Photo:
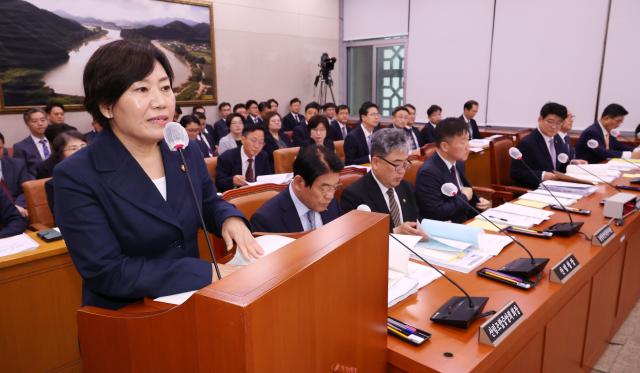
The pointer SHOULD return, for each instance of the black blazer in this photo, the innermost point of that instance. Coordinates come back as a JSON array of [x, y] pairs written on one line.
[[427, 134], [279, 215], [416, 132], [366, 191], [249, 120], [432, 204], [206, 153], [600, 153], [271, 145], [535, 152], [126, 241], [474, 126], [327, 143], [27, 151], [220, 130], [289, 122], [568, 148], [336, 132], [14, 173], [301, 135], [230, 164], [11, 222], [90, 136], [356, 150]]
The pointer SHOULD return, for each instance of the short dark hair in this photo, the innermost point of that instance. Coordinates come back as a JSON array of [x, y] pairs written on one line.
[[294, 100], [252, 127], [272, 101], [317, 120], [27, 114], [199, 115], [263, 105], [410, 106], [196, 107], [231, 116], [60, 142], [312, 105], [178, 109], [106, 78], [448, 128], [343, 107], [329, 105], [223, 104], [364, 109], [432, 109], [314, 161], [614, 110], [51, 105], [250, 103], [238, 106], [469, 104], [51, 132], [189, 119], [555, 109], [399, 108], [268, 116]]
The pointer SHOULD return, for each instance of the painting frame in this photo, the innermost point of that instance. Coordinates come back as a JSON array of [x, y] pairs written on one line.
[[4, 109]]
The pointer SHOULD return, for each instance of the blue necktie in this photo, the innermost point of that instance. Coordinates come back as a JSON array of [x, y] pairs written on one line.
[[45, 148]]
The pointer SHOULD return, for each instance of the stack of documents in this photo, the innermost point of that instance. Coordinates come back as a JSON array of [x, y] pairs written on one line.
[[587, 172], [273, 178], [569, 187], [566, 195], [623, 165], [478, 145], [16, 244], [516, 215], [549, 200], [269, 243]]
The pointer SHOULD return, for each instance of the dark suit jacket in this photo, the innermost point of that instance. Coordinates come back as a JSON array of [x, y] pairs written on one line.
[[301, 135], [432, 204], [568, 148], [336, 132], [220, 130], [44, 169], [125, 240], [356, 150], [474, 126], [328, 143], [271, 145], [535, 152], [11, 222], [230, 164], [427, 134], [90, 136], [600, 153], [366, 191], [48, 188], [250, 121], [14, 173], [204, 149], [415, 132], [289, 122], [27, 150], [279, 215]]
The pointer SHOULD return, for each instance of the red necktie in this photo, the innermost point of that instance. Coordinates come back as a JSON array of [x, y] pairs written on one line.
[[249, 175]]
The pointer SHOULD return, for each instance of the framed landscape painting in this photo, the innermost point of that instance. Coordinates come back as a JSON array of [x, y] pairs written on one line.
[[44, 46]]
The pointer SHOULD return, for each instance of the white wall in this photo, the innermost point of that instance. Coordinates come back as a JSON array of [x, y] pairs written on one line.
[[264, 49], [368, 19]]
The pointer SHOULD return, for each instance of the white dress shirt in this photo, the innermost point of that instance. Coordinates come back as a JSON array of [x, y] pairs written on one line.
[[39, 146], [302, 211], [384, 189]]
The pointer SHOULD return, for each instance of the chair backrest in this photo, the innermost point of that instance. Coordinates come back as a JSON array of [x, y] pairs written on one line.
[[346, 179], [500, 160], [211, 163], [37, 204], [248, 204], [283, 159], [411, 174], [520, 135], [339, 145]]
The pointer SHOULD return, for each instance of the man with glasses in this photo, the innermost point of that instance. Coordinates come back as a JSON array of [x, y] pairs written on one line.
[[357, 144], [447, 166], [242, 165], [383, 189], [308, 203], [541, 147]]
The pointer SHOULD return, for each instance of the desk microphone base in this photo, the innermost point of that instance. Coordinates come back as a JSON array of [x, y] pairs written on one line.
[[565, 229], [524, 268], [457, 312]]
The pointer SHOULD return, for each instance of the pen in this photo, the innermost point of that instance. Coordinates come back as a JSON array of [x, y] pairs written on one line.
[[495, 217], [517, 279], [401, 326], [411, 337]]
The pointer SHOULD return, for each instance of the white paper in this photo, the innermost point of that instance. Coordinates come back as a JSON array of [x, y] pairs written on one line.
[[269, 243], [592, 179], [479, 143], [398, 254], [476, 150], [423, 273], [17, 244], [524, 210], [558, 194], [506, 218], [596, 169], [463, 262], [547, 199], [176, 298], [275, 178], [566, 184], [401, 289], [492, 244], [459, 245]]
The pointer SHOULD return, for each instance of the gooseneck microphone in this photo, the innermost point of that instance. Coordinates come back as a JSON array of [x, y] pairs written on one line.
[[593, 144], [560, 229], [522, 267], [563, 158], [177, 138], [457, 311]]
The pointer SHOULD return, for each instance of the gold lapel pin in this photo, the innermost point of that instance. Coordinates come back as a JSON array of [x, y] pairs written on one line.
[[183, 168]]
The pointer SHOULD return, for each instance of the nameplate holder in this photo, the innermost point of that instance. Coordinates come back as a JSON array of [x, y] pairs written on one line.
[[564, 270], [603, 235], [497, 328]]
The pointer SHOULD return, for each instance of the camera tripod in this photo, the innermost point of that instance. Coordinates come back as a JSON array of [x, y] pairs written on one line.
[[326, 85]]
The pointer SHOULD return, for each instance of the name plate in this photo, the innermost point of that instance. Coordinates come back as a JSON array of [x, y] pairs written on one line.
[[562, 272], [603, 235], [497, 328]]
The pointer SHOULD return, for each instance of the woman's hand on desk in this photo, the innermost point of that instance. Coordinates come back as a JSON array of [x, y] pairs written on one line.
[[235, 230]]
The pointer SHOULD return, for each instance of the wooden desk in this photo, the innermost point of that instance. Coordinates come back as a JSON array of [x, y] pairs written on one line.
[[40, 292], [478, 168], [566, 327]]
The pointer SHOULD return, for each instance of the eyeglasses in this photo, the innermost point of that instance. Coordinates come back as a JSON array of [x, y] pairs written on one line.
[[326, 189], [255, 141], [373, 114], [552, 123], [398, 167], [193, 130], [318, 129], [73, 148]]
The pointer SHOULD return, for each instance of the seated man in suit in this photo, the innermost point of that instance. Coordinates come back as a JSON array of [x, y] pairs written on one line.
[[206, 134], [308, 203], [563, 132], [399, 119], [434, 113], [220, 128], [294, 118], [13, 172], [608, 146], [540, 149], [240, 109], [11, 223], [469, 111], [253, 113], [330, 111], [383, 188], [301, 132], [447, 166], [339, 127], [273, 105], [415, 140], [264, 108], [243, 164], [55, 113], [35, 148], [358, 141]]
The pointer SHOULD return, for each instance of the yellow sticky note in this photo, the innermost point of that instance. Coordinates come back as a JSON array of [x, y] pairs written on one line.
[[526, 202], [631, 176], [481, 223]]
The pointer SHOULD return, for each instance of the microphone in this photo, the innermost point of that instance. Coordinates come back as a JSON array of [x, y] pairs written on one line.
[[522, 267], [563, 158], [457, 311], [560, 229], [177, 139], [593, 144]]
